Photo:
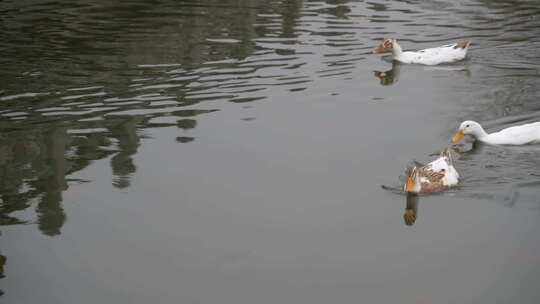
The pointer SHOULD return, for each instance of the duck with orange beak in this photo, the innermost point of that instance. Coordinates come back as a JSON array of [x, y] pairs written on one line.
[[516, 135], [436, 176], [432, 56]]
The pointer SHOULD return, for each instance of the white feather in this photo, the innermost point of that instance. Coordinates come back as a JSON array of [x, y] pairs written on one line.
[[517, 135], [431, 56]]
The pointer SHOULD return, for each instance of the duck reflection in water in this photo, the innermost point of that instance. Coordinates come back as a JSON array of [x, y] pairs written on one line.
[[390, 76], [411, 209], [463, 149], [411, 206]]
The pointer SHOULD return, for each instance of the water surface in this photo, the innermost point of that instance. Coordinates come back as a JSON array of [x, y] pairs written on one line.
[[233, 152]]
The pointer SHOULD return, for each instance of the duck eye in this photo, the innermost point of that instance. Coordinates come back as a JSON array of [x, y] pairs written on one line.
[[467, 126]]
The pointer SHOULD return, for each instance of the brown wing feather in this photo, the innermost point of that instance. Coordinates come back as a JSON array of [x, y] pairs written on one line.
[[433, 187], [434, 180], [435, 177]]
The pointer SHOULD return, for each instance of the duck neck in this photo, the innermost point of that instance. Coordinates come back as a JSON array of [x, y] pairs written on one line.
[[481, 133], [396, 50]]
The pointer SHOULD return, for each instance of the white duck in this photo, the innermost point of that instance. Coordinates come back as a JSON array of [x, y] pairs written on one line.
[[432, 56], [517, 135], [438, 175]]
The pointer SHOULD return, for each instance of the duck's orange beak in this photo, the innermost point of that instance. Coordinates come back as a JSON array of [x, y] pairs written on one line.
[[379, 49], [409, 185], [459, 135]]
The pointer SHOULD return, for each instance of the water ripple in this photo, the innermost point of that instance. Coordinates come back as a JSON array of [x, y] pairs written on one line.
[[94, 75]]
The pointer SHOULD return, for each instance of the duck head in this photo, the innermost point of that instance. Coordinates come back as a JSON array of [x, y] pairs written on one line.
[[469, 127], [386, 46], [412, 184]]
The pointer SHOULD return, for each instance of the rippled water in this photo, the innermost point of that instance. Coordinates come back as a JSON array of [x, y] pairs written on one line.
[[232, 152]]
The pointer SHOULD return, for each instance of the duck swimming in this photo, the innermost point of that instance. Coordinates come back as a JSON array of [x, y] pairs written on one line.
[[517, 135], [432, 56], [436, 176]]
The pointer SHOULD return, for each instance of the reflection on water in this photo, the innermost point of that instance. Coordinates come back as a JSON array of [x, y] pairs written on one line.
[[34, 169], [411, 209], [3, 260], [390, 76], [51, 216], [121, 163], [95, 80], [35, 166], [94, 89], [498, 173]]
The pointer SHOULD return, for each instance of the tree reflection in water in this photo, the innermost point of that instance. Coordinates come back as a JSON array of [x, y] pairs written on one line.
[[128, 141], [34, 166], [3, 261], [122, 85]]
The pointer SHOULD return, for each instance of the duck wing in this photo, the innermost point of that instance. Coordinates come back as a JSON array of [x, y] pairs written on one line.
[[518, 135], [446, 53]]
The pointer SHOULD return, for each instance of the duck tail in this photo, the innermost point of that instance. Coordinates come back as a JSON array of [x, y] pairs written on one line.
[[447, 155], [463, 45]]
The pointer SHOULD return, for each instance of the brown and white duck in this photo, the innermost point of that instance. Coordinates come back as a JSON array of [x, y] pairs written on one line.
[[436, 176]]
